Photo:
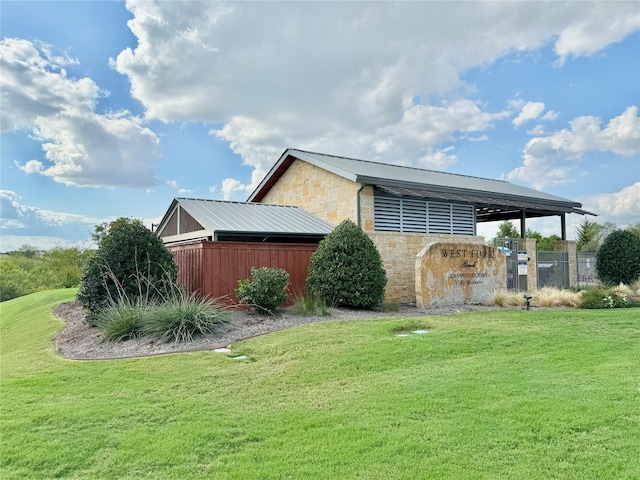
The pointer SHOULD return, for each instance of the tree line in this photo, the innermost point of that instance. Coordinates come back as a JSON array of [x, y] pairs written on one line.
[[590, 235]]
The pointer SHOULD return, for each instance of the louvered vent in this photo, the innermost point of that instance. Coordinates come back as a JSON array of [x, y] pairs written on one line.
[[387, 214], [395, 214]]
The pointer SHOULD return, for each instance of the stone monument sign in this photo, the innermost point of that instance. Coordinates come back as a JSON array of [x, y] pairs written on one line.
[[458, 273]]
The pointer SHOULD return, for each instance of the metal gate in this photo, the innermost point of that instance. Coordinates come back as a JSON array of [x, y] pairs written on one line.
[[553, 269], [587, 274], [509, 246]]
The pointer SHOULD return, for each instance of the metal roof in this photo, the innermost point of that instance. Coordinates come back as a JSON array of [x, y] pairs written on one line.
[[218, 216], [498, 199]]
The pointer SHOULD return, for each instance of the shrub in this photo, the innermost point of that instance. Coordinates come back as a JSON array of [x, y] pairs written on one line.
[[618, 259], [125, 251], [183, 317], [266, 290], [346, 269], [595, 298]]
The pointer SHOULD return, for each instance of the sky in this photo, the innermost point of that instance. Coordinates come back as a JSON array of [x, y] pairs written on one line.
[[111, 109]]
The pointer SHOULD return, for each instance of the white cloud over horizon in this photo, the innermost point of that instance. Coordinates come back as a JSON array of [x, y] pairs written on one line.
[[81, 147], [552, 159]]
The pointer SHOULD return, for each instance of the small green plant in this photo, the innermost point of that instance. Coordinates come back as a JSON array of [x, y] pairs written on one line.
[[307, 306], [265, 291], [346, 269]]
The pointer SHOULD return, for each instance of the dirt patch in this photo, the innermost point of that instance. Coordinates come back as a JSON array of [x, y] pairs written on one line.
[[79, 341]]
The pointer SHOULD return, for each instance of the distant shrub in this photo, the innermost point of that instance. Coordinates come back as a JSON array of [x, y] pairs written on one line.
[[595, 298], [346, 269], [126, 251], [618, 259], [265, 291]]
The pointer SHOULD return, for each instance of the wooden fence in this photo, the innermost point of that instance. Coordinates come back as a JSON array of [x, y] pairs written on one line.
[[214, 268]]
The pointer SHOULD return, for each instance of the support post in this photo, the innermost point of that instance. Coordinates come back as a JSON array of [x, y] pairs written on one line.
[[523, 224]]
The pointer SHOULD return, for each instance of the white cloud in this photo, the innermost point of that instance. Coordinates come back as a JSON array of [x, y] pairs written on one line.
[[21, 221], [342, 77], [621, 207], [591, 33], [530, 111], [550, 160], [81, 147]]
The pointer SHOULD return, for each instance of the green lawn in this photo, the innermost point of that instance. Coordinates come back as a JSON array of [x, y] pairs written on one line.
[[549, 394]]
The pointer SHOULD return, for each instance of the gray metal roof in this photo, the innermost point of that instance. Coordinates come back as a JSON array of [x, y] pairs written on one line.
[[404, 180], [220, 216]]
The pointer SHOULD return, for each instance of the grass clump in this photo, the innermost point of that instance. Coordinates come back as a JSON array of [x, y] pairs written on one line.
[[182, 318], [306, 305], [505, 298], [121, 320], [173, 316]]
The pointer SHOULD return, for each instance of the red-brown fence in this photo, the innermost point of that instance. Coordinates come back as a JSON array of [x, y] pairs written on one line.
[[214, 268]]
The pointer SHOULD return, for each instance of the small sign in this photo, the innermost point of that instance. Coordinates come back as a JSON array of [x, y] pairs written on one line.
[[522, 256], [522, 268]]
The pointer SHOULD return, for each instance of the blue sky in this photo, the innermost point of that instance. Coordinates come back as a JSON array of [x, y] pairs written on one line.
[[110, 109]]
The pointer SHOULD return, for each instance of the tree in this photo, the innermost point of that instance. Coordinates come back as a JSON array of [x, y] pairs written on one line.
[[507, 230], [634, 228], [131, 260], [591, 235], [544, 244], [346, 269], [618, 259]]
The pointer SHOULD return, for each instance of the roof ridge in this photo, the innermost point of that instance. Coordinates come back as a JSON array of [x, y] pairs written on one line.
[[235, 202], [399, 166]]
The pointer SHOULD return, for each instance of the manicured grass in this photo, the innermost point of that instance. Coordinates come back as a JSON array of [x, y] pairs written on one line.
[[516, 394]]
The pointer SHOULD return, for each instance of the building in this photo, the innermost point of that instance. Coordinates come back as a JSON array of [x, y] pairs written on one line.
[[404, 209]]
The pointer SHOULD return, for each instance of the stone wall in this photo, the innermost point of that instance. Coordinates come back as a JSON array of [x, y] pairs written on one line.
[[322, 193], [399, 252]]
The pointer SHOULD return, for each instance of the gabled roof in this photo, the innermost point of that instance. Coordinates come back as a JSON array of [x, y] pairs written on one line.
[[222, 217], [494, 199]]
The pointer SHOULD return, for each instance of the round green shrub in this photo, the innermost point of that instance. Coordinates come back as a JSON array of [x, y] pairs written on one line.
[[618, 260], [131, 262], [346, 269], [266, 290]]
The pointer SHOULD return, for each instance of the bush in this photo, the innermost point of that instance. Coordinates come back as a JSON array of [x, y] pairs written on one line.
[[618, 259], [126, 251], [266, 290], [595, 298], [347, 270]]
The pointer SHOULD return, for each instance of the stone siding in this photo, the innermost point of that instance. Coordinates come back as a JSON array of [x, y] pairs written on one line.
[[322, 193], [399, 252]]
